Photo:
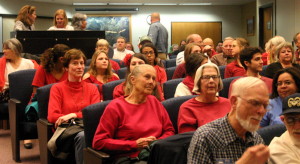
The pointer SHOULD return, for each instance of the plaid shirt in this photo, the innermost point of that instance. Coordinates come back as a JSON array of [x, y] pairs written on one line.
[[217, 142]]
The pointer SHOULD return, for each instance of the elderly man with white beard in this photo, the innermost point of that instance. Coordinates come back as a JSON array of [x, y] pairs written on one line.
[[232, 139], [286, 148]]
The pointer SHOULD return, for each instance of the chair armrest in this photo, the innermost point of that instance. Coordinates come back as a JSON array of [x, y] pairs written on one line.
[[92, 156], [44, 134], [13, 116]]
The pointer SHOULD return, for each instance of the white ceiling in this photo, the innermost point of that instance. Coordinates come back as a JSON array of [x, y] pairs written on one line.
[[213, 2]]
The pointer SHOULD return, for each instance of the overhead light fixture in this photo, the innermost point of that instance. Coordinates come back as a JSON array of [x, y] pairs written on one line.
[[160, 4], [193, 4], [89, 4], [125, 4], [106, 9]]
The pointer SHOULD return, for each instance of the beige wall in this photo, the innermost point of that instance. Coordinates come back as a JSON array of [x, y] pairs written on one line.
[[249, 10]]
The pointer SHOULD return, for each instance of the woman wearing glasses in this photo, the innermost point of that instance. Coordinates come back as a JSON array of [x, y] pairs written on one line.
[[285, 83], [150, 52], [207, 106]]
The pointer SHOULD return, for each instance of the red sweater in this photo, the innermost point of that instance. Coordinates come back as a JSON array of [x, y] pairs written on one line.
[[123, 123], [180, 71], [71, 97], [92, 79], [193, 114], [233, 69], [42, 77], [161, 75]]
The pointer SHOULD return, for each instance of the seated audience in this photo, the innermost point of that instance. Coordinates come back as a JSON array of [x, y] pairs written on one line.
[[129, 46], [285, 82], [235, 68], [285, 149], [103, 45], [79, 21], [52, 69], [120, 51], [25, 19], [232, 139], [269, 56], [131, 123], [226, 56], [193, 62], [192, 38], [296, 40], [10, 62], [100, 71], [124, 88], [251, 60], [69, 97], [219, 47], [180, 71], [150, 52], [206, 107], [285, 55], [60, 21]]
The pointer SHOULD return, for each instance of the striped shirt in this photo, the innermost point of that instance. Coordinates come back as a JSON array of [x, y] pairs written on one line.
[[217, 142]]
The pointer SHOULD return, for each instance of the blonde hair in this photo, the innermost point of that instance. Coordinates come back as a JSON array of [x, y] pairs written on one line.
[[283, 45], [93, 69], [63, 13], [275, 41], [23, 15]]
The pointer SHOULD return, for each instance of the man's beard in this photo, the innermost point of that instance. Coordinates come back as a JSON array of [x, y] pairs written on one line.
[[246, 123]]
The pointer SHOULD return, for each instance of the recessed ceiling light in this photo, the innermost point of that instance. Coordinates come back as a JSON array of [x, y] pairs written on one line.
[[89, 4], [192, 4], [125, 4], [161, 4]]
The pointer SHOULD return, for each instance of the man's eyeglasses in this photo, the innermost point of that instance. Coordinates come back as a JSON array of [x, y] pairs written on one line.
[[287, 82], [256, 103], [207, 77], [292, 120]]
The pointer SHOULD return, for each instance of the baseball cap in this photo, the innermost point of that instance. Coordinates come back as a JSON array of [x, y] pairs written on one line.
[[291, 104], [145, 38]]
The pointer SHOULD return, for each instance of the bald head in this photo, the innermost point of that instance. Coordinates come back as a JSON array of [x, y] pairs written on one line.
[[194, 38], [155, 17], [209, 42]]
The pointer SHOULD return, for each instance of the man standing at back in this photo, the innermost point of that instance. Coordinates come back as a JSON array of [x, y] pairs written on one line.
[[159, 36]]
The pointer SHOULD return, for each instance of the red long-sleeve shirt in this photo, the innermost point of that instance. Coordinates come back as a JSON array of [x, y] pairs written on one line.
[[123, 123], [71, 97]]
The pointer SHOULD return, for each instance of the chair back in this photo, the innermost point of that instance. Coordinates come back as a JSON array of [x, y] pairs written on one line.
[[122, 72], [88, 62], [222, 70], [43, 94], [171, 150], [226, 84], [170, 86], [170, 63], [91, 118], [170, 71], [173, 105], [120, 62], [269, 132], [263, 72], [20, 87], [108, 88]]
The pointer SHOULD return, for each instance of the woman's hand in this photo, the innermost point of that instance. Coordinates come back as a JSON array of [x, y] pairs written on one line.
[[144, 142], [64, 118]]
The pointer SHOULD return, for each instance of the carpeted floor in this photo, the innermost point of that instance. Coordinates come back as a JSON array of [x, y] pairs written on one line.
[[28, 156]]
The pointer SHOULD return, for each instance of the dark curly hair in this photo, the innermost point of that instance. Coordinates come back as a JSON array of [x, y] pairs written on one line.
[[51, 56]]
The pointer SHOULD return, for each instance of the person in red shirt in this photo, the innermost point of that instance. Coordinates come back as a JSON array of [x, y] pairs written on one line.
[[132, 123], [132, 61], [100, 71], [69, 97], [235, 68], [151, 53], [207, 106]]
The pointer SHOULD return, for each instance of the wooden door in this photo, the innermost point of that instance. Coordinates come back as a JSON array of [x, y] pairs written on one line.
[[265, 25], [180, 30]]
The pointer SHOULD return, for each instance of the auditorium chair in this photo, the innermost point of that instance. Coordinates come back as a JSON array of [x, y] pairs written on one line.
[[271, 131], [222, 70], [91, 118], [173, 105], [108, 88], [226, 84], [170, 63], [263, 72], [171, 150], [170, 71], [20, 91], [122, 72], [170, 86]]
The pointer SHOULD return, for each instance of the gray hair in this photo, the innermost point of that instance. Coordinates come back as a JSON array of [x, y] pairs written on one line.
[[242, 84], [77, 20], [199, 73], [15, 45]]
